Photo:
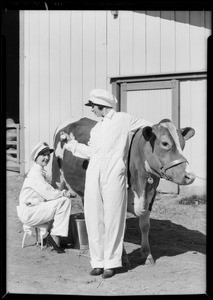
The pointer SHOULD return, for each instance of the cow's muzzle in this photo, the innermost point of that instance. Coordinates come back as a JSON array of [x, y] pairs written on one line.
[[161, 172], [172, 164]]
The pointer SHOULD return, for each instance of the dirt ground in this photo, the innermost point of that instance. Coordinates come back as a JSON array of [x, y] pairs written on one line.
[[177, 240]]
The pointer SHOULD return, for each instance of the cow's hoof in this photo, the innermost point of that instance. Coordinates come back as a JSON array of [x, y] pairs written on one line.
[[126, 264], [148, 260], [142, 261]]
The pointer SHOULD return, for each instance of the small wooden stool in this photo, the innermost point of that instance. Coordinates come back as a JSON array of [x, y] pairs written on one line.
[[43, 229]]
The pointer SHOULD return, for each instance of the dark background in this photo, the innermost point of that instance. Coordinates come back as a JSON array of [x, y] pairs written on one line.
[[10, 63]]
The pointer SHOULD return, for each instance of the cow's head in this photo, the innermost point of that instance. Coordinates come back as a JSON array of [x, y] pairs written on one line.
[[166, 158]]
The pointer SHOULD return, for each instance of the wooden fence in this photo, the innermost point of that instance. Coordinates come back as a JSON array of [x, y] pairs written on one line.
[[12, 147]]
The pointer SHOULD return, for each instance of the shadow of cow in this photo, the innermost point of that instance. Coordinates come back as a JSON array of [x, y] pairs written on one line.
[[166, 239]]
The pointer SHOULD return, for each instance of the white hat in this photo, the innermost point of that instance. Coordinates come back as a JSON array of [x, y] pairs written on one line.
[[38, 148], [102, 98]]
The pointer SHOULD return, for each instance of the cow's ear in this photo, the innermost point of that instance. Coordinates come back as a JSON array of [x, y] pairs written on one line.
[[187, 133], [147, 133]]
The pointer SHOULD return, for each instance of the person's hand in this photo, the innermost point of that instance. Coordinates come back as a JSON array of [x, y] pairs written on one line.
[[70, 194], [66, 137]]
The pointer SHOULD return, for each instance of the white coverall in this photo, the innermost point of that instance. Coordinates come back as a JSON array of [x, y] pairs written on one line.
[[39, 203], [105, 202]]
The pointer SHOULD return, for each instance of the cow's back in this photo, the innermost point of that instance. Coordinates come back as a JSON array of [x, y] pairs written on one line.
[[73, 168]]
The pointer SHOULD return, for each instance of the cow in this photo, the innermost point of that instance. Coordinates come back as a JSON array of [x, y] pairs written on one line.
[[154, 153]]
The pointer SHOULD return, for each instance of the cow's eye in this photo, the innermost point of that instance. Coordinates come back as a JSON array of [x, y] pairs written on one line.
[[165, 145]]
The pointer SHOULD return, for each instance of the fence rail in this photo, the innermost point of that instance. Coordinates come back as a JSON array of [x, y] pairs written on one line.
[[13, 147]]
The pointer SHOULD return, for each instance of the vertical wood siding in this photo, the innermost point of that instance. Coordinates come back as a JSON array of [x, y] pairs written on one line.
[[100, 52], [139, 43], [197, 40], [76, 64], [89, 52], [113, 46], [55, 70], [24, 103], [182, 46], [153, 42], [126, 42], [193, 113], [68, 53], [167, 47], [34, 101], [44, 79], [65, 65]]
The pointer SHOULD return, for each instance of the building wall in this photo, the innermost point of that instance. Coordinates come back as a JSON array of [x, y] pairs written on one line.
[[193, 95], [65, 54]]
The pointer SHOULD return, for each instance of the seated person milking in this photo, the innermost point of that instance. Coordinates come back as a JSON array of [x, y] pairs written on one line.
[[40, 203]]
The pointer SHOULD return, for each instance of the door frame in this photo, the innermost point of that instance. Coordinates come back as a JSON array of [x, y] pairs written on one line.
[[116, 83], [173, 84], [118, 80]]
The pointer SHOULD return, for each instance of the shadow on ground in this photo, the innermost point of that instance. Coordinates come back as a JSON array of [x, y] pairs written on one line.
[[165, 238]]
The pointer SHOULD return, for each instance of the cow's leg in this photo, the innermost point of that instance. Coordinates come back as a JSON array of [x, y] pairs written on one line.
[[144, 224], [64, 185], [125, 260], [59, 153], [61, 184], [73, 193]]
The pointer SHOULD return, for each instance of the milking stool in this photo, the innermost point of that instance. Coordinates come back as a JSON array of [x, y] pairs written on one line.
[[43, 230]]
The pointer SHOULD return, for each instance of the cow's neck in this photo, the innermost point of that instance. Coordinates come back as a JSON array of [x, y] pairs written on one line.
[[141, 191]]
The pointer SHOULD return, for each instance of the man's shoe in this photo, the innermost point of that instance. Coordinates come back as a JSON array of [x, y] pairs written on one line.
[[96, 271], [108, 273]]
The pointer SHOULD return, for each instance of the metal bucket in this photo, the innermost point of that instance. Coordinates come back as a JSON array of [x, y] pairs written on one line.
[[79, 232]]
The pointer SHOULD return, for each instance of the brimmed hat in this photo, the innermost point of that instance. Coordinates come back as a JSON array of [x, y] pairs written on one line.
[[41, 146], [102, 98]]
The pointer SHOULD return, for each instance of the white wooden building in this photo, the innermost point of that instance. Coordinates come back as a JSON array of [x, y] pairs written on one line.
[[155, 62]]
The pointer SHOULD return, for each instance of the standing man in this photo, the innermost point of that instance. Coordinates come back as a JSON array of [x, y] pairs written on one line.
[[40, 203], [106, 180]]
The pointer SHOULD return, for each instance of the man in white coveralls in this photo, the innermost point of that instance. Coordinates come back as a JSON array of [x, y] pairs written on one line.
[[40, 203], [106, 181]]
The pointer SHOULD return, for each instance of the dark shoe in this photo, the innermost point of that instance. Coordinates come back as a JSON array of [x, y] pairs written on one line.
[[51, 242], [96, 271], [108, 273], [67, 245]]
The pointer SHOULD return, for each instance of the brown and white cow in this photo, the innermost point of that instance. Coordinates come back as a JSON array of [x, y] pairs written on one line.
[[155, 152]]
